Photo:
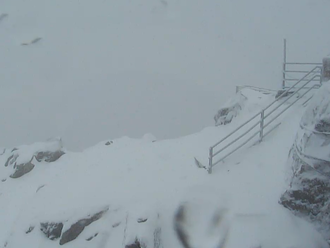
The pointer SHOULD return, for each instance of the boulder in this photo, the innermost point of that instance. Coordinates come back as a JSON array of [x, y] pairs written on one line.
[[77, 228], [22, 169], [230, 110], [52, 230], [21, 159]]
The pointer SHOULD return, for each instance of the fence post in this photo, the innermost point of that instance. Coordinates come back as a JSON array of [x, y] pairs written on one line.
[[262, 125], [326, 69], [210, 160], [284, 64]]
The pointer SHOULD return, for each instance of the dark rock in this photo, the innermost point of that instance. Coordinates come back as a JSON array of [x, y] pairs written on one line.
[[49, 156], [309, 194], [31, 228], [231, 109], [14, 149], [90, 238], [109, 143], [280, 92], [142, 220], [4, 180], [11, 160], [323, 126], [116, 224], [74, 231], [22, 169], [52, 230], [136, 244]]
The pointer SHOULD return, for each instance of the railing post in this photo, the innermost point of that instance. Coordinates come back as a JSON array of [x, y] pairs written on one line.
[[284, 64], [210, 160], [262, 117]]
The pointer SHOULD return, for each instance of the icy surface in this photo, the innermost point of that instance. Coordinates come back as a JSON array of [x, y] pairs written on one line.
[[142, 184]]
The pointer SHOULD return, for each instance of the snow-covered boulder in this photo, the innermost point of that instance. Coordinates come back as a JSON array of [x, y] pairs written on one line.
[[22, 159], [309, 159], [230, 110]]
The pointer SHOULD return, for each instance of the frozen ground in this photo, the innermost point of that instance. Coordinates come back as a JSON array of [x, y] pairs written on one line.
[[86, 70], [146, 179]]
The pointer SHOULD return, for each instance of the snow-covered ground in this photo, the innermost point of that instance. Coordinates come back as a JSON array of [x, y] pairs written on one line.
[[139, 179], [90, 70]]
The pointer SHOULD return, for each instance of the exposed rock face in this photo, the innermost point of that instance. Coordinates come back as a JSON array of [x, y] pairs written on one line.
[[309, 191], [49, 156], [22, 169], [76, 229], [231, 109], [21, 159], [51, 230]]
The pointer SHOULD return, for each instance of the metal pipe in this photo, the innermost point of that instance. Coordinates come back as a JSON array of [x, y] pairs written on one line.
[[284, 64], [271, 104], [210, 160], [287, 107], [287, 99], [262, 125], [239, 137], [248, 121], [298, 63], [294, 79], [218, 161], [297, 71]]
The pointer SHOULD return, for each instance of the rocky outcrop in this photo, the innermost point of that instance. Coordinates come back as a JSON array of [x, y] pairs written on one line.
[[77, 228], [23, 159], [52, 230], [230, 110], [308, 194], [22, 169]]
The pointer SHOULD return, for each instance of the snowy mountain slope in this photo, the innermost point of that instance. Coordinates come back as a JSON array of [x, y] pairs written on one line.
[[114, 68], [130, 189]]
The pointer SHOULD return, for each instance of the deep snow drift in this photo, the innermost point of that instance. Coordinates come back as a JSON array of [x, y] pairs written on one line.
[[127, 192], [84, 70]]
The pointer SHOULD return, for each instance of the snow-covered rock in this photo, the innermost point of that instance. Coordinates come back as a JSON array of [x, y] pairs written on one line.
[[22, 159], [309, 159], [230, 110]]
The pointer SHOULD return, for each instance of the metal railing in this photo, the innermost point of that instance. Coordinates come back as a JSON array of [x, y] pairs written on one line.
[[263, 121], [292, 71]]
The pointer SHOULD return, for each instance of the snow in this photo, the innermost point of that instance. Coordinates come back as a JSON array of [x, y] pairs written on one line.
[[92, 70], [106, 69], [138, 179]]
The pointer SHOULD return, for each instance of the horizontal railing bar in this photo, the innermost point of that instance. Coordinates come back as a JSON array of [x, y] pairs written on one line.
[[288, 98], [294, 79], [285, 92], [287, 108], [296, 71], [248, 121], [317, 67], [237, 148], [299, 63], [315, 87], [239, 137]]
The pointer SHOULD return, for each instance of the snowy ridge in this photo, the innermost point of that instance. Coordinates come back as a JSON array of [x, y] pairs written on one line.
[[140, 184]]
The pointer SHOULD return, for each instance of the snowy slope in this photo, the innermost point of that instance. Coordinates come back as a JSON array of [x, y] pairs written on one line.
[[85, 70], [140, 183]]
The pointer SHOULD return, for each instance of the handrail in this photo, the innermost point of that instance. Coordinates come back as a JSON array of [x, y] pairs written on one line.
[[261, 122]]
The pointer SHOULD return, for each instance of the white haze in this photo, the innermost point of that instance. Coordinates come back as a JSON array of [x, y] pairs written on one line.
[[104, 69]]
